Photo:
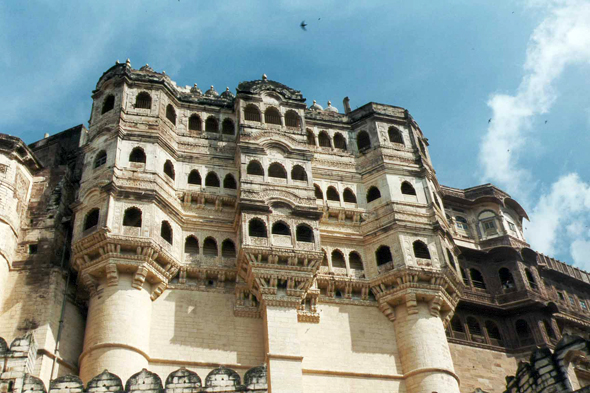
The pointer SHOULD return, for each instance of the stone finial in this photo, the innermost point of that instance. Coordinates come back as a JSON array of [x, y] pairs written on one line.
[[117, 62], [46, 135], [128, 62], [264, 77], [163, 72], [329, 103], [227, 89]]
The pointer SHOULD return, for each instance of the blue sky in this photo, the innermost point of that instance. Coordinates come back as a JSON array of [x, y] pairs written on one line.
[[453, 64]]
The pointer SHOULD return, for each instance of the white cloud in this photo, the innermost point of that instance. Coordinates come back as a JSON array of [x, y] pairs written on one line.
[[561, 216], [561, 39]]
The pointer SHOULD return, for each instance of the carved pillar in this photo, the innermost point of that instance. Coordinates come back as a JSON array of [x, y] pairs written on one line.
[[283, 350], [118, 326]]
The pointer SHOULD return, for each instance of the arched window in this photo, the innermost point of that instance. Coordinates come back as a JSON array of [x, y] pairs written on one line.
[[108, 104], [229, 182], [474, 327], [212, 180], [280, 228], [227, 127], [452, 263], [211, 124], [506, 279], [549, 330], [338, 259], [530, 278], [408, 189], [191, 245], [194, 177], [91, 219], [210, 247], [318, 192], [523, 331], [488, 222], [324, 139], [171, 114], [166, 231], [251, 113], [373, 194], [137, 155], [254, 168], [132, 217], [310, 137], [355, 261], [477, 279], [228, 249], [292, 119], [363, 141], [421, 250], [272, 116], [462, 226], [339, 141], [298, 173], [100, 159], [493, 333], [422, 147], [277, 170], [348, 196], [169, 169], [395, 135], [332, 194], [256, 228], [383, 255], [304, 233], [143, 101], [195, 123]]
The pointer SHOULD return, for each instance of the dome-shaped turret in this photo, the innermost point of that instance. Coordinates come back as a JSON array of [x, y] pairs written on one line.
[[211, 92], [72, 383], [143, 380], [196, 91], [315, 106], [331, 108], [187, 380], [256, 377], [227, 94], [147, 68], [221, 377], [105, 382]]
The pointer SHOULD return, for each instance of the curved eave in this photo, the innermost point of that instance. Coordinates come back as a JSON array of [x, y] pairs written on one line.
[[511, 203]]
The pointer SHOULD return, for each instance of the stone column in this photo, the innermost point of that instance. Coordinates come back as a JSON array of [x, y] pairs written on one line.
[[423, 348], [118, 326], [283, 350]]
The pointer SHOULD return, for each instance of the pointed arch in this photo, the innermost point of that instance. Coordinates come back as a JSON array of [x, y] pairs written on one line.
[[132, 217], [477, 279], [143, 100], [339, 141], [212, 180], [169, 169], [373, 194], [194, 177], [348, 196], [332, 194], [292, 119], [257, 228], [229, 182], [191, 245], [277, 170], [166, 231], [255, 168], [171, 114], [408, 189], [210, 247], [281, 228], [318, 192], [363, 141], [383, 255], [310, 137], [338, 259], [421, 250], [304, 233], [228, 249], [252, 113], [211, 124], [272, 116], [137, 155], [324, 139], [395, 135], [195, 123], [108, 104], [355, 261], [228, 127], [298, 173], [100, 159]]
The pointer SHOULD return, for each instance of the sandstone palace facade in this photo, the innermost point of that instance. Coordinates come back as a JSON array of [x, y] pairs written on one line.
[[204, 242]]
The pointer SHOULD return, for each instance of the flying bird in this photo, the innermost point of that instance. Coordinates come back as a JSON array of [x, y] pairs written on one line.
[[546, 121], [489, 121], [303, 24]]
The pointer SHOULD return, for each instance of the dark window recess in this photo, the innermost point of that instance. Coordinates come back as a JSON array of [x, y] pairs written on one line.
[[363, 141], [348, 196], [227, 127], [421, 250], [109, 104], [339, 141], [408, 189], [254, 168], [280, 228], [383, 255], [194, 177], [191, 245], [169, 169], [137, 155], [477, 279], [229, 182], [373, 194], [395, 135], [101, 159], [256, 228], [355, 261], [304, 233], [228, 249], [33, 248], [324, 139], [171, 114], [298, 173], [272, 116], [91, 219], [211, 180], [332, 194], [318, 192], [292, 119], [251, 113], [143, 101], [194, 123], [132, 217], [277, 170], [211, 124], [210, 247], [166, 231], [338, 259]]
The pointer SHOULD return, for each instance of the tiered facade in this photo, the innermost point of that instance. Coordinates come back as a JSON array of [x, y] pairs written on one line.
[[267, 245]]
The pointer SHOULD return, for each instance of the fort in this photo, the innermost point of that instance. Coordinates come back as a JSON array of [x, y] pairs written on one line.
[[190, 241]]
